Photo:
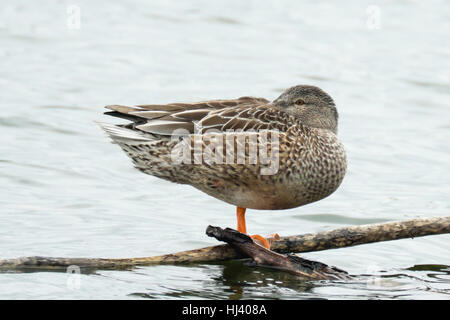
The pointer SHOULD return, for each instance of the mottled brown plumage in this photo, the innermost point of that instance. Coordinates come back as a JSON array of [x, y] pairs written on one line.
[[308, 160]]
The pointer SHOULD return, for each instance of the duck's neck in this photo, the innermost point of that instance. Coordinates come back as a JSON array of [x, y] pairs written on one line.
[[325, 119]]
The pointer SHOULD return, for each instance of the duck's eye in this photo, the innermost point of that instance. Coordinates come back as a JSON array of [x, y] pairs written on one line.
[[300, 102]]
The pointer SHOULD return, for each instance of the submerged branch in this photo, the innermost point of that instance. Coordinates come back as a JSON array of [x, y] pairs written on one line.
[[298, 266], [338, 238]]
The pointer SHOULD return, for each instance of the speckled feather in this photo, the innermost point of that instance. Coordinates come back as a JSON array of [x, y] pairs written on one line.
[[312, 161]]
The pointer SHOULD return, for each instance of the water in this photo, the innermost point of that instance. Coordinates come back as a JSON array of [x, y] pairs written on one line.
[[66, 191]]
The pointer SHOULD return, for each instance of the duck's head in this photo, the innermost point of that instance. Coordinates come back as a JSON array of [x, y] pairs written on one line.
[[313, 106]]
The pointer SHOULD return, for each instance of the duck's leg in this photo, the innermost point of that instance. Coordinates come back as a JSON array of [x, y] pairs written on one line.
[[240, 212]]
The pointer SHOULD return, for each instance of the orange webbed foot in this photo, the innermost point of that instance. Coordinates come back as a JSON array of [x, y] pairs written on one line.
[[263, 241], [266, 242]]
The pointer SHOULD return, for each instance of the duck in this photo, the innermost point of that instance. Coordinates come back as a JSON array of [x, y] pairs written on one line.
[[249, 152]]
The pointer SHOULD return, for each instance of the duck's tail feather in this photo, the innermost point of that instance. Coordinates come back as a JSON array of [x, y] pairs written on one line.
[[121, 134]]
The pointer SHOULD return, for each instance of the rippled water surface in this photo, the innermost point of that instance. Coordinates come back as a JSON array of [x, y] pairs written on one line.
[[66, 191]]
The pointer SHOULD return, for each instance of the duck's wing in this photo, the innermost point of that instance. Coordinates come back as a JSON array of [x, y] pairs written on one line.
[[245, 113]]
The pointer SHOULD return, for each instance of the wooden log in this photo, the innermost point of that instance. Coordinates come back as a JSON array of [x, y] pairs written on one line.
[[363, 234], [306, 269], [337, 238]]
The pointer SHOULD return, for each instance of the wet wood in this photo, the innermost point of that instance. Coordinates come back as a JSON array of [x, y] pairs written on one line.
[[337, 238], [306, 269]]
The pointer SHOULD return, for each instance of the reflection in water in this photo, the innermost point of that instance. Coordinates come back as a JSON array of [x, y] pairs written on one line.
[[244, 279], [431, 267], [237, 280]]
